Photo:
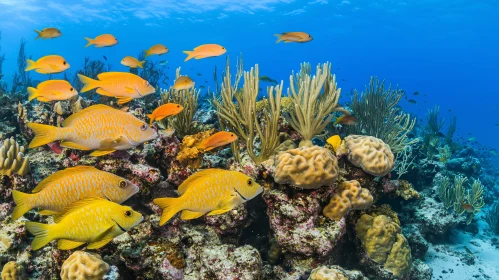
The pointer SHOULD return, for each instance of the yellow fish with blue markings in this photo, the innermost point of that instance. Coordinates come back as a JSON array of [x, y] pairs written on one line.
[[67, 186], [213, 191], [98, 127], [91, 220]]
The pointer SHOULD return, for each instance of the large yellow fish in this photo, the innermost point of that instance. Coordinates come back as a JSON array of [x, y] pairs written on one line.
[[122, 85], [104, 40], [98, 127], [52, 90], [48, 33], [158, 49], [67, 186], [212, 191], [91, 220], [49, 64]]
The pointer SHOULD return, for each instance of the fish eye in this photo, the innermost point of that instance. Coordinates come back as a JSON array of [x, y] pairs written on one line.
[[232, 135], [128, 213], [122, 184], [178, 106], [71, 89], [64, 63], [250, 182], [143, 127], [147, 83]]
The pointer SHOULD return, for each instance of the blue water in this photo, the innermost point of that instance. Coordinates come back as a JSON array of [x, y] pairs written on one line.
[[447, 50]]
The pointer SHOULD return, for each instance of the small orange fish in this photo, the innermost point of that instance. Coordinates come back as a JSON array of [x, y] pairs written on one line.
[[163, 111], [346, 120], [158, 49], [218, 139], [52, 90], [183, 82], [468, 207], [48, 33], [132, 62], [104, 40], [49, 64], [297, 37], [204, 51]]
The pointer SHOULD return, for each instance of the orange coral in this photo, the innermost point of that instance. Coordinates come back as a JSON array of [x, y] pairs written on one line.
[[189, 153]]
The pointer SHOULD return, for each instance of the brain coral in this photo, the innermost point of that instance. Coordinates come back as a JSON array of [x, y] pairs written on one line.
[[306, 167], [369, 153], [325, 273], [384, 244], [12, 271], [84, 266], [348, 196]]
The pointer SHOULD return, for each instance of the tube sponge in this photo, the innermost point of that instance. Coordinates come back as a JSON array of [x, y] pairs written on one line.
[[84, 266], [348, 196], [12, 159]]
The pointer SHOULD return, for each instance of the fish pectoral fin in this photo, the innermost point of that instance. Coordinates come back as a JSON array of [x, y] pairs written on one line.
[[110, 143], [43, 99], [124, 100], [65, 244], [130, 89], [72, 145], [98, 244], [56, 92], [189, 215], [98, 153], [47, 212], [103, 92], [226, 205], [54, 66], [218, 212]]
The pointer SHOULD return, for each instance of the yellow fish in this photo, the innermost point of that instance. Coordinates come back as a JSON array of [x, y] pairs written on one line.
[[48, 33], [216, 140], [165, 110], [67, 186], [212, 191], [122, 85], [91, 220], [98, 127], [52, 90], [183, 82], [104, 40], [158, 49], [49, 64], [204, 51], [132, 62], [334, 141]]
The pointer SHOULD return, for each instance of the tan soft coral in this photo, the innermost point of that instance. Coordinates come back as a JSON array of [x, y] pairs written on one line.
[[306, 168], [12, 159], [369, 153], [12, 271], [189, 153], [348, 196], [325, 273], [84, 266]]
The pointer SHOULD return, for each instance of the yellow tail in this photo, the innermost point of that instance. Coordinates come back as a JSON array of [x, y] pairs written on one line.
[[278, 38], [32, 93], [39, 34], [31, 65], [151, 117], [148, 53], [141, 63], [89, 83], [41, 233], [44, 134], [22, 205], [169, 207], [90, 41], [190, 55]]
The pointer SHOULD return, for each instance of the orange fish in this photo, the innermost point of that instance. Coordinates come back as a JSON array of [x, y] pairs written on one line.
[[104, 40], [216, 140], [346, 120], [132, 62], [204, 51], [183, 82], [48, 33], [52, 90], [49, 64], [468, 207], [158, 49], [163, 111], [298, 37]]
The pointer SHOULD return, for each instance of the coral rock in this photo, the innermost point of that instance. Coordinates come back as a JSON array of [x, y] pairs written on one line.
[[348, 196], [84, 266], [12, 159], [306, 168], [369, 153], [12, 271], [189, 153], [325, 273]]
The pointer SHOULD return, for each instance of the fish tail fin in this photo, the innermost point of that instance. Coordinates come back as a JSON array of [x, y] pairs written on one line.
[[89, 83], [147, 52], [41, 233], [278, 38], [32, 93], [44, 134], [151, 117], [141, 63], [22, 204], [169, 206], [89, 41], [190, 55], [39, 34], [31, 65]]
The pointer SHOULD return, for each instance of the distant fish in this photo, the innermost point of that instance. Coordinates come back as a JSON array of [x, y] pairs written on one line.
[[163, 62], [471, 139], [204, 51], [48, 33], [468, 207], [267, 79], [199, 74], [297, 37], [163, 111], [334, 141], [183, 82], [49, 64], [493, 152], [104, 40], [52, 90], [416, 93], [212, 191], [218, 139], [67, 186], [157, 49], [202, 87], [132, 62], [92, 220], [346, 120], [468, 250], [105, 58], [412, 101]]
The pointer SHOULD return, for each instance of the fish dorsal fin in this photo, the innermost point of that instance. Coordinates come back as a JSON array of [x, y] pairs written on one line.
[[67, 122], [75, 206], [185, 185], [59, 174], [107, 75]]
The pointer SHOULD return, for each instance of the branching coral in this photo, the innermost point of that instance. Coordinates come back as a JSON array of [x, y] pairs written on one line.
[[237, 111], [12, 159], [188, 98], [313, 106], [378, 115]]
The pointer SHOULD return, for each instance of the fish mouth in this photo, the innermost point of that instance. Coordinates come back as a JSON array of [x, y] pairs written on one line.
[[131, 141], [244, 198], [138, 221], [122, 229]]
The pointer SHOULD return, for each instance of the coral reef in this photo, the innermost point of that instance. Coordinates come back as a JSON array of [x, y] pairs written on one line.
[[12, 271], [12, 159], [84, 266], [348, 196]]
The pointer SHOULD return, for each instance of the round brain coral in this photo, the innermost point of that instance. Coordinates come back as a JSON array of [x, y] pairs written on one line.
[[306, 167], [348, 196], [84, 266], [325, 273], [369, 153], [12, 271]]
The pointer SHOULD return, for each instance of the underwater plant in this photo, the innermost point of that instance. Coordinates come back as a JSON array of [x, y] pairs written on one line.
[[404, 161], [492, 218], [22, 79], [378, 115], [91, 68], [432, 132]]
